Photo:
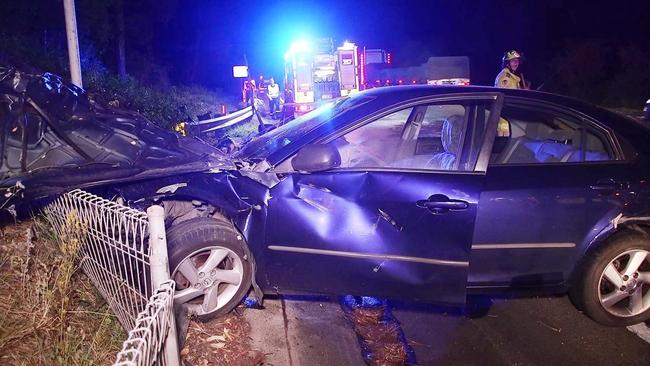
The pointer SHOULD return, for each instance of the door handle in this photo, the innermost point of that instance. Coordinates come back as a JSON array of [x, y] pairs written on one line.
[[439, 203]]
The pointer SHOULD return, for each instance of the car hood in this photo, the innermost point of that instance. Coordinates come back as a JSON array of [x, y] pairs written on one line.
[[89, 144]]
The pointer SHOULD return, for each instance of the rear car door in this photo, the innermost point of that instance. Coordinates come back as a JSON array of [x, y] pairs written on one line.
[[549, 190], [396, 219]]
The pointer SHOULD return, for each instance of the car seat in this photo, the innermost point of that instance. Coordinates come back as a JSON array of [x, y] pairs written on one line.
[[451, 135]]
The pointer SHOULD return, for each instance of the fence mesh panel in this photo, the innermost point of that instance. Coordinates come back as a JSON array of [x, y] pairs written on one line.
[[146, 340], [114, 253]]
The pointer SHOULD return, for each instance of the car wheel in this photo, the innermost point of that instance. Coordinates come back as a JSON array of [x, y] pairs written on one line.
[[211, 266], [613, 287]]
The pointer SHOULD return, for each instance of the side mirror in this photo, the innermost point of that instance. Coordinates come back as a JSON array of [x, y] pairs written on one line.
[[316, 158]]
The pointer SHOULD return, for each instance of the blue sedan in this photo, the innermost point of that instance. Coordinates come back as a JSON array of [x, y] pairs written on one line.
[[413, 192]]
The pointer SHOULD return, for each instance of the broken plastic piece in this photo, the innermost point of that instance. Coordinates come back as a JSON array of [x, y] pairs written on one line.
[[616, 220]]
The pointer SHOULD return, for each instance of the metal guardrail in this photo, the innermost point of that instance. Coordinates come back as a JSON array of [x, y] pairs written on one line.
[[228, 120], [124, 253]]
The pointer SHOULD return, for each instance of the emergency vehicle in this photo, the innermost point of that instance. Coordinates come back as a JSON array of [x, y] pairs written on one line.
[[317, 71]]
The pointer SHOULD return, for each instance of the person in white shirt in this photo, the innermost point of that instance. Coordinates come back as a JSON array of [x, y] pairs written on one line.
[[273, 92]]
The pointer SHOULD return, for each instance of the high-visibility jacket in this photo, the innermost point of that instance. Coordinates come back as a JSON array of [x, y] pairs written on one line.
[[507, 79], [274, 91]]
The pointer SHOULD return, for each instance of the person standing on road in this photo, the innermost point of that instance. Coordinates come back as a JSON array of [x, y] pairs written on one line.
[[249, 92], [288, 108], [511, 77], [261, 89], [273, 91]]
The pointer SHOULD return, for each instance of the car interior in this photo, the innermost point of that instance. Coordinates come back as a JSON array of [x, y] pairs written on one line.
[[425, 137], [531, 137], [433, 137]]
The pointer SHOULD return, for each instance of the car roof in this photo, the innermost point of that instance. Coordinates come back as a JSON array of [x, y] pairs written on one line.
[[385, 98], [632, 129], [414, 91]]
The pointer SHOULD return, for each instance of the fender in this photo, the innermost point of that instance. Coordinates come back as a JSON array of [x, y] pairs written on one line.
[[244, 201], [633, 218]]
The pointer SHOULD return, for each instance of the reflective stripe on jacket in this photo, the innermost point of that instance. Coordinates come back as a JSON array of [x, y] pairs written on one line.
[[507, 79]]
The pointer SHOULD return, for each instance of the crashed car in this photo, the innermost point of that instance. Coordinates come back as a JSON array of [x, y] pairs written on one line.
[[421, 193]]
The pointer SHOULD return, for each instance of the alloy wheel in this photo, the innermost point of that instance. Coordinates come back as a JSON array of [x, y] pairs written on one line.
[[207, 279], [624, 285]]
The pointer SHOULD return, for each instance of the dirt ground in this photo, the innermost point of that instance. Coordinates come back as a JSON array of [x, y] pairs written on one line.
[[220, 342], [54, 318]]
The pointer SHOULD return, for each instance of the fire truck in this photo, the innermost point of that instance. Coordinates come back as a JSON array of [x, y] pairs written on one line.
[[317, 71]]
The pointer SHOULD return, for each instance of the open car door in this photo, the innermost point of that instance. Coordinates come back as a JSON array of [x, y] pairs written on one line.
[[396, 218]]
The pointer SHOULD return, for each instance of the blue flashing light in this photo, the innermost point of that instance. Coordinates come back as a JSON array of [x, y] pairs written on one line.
[[298, 46]]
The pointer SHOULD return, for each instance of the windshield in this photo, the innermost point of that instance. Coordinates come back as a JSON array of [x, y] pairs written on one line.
[[265, 145]]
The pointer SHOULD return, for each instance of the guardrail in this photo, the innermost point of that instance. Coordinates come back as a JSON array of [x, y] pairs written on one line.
[[124, 253]]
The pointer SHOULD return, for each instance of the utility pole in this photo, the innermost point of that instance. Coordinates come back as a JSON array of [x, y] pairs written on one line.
[[121, 57], [73, 42]]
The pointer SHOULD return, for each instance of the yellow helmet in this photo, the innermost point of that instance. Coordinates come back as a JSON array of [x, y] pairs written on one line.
[[511, 55]]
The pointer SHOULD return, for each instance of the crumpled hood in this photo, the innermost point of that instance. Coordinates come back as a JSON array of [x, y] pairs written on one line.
[[84, 143]]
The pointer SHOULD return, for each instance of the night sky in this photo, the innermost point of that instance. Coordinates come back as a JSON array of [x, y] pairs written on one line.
[[198, 41], [412, 30]]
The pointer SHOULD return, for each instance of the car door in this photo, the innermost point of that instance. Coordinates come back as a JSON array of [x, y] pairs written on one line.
[[396, 218], [549, 190]]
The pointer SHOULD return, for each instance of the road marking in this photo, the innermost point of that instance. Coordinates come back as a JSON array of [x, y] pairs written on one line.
[[641, 330]]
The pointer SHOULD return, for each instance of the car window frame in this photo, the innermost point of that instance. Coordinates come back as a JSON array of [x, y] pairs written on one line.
[[415, 108], [586, 122], [480, 166]]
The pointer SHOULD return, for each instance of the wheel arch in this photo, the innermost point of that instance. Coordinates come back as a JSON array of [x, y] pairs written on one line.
[[606, 230], [182, 208]]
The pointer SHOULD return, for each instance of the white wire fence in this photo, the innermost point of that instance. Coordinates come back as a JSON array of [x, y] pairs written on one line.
[[119, 249], [146, 340]]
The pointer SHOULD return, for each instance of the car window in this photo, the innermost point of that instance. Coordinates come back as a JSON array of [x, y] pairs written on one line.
[[427, 137], [532, 136], [263, 146]]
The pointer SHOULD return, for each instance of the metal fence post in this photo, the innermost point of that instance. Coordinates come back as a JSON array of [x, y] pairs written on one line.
[[160, 273]]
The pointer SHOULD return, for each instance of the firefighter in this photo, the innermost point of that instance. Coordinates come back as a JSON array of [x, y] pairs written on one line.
[[511, 76], [273, 91], [261, 91], [288, 108]]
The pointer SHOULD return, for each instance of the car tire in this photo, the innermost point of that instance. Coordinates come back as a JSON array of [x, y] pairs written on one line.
[[211, 265], [600, 298]]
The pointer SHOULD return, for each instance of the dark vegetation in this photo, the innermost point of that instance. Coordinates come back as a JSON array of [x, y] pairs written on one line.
[[169, 58], [32, 38], [51, 313]]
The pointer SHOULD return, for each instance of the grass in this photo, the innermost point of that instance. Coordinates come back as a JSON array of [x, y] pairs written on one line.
[[51, 313]]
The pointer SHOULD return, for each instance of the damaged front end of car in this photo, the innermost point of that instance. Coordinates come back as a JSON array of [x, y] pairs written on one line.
[[53, 138]]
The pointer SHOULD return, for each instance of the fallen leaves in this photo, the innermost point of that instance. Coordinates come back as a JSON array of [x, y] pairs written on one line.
[[222, 341]]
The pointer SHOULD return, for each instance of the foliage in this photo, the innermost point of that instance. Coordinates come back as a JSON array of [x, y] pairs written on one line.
[[607, 73], [164, 106], [51, 313]]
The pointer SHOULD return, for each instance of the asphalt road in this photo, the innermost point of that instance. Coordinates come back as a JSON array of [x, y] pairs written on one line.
[[308, 330], [533, 331]]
